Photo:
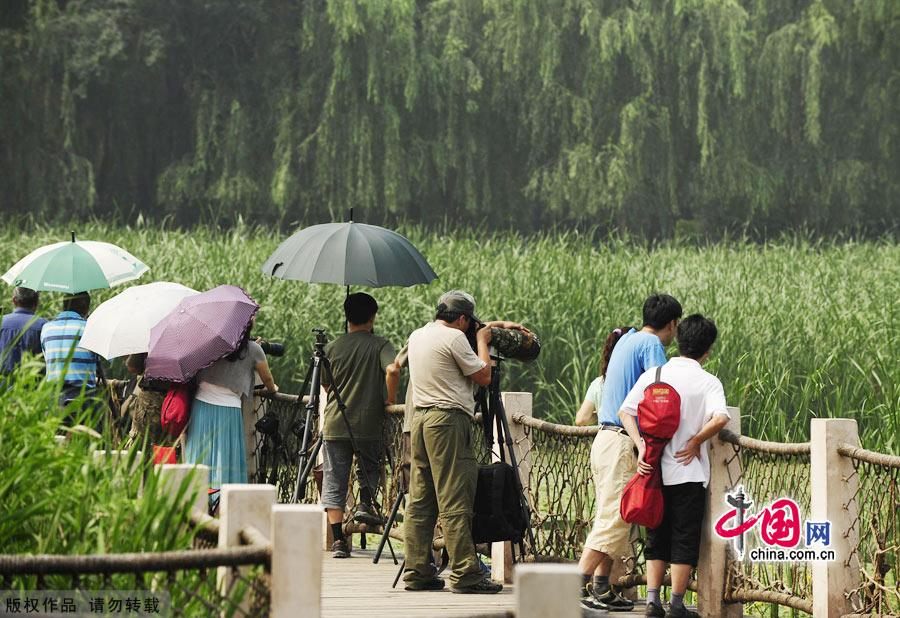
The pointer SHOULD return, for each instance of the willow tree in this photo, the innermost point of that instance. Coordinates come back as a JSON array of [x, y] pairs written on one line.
[[633, 114]]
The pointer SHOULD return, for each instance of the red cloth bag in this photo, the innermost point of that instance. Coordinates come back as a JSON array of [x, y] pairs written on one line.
[[659, 414], [176, 409]]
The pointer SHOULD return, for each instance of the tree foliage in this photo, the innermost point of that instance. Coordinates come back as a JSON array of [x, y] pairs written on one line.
[[639, 115]]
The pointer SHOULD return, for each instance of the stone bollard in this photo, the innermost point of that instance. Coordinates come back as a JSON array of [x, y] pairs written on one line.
[[712, 568], [833, 487], [547, 591], [191, 479], [296, 561], [117, 459], [513, 403], [242, 505]]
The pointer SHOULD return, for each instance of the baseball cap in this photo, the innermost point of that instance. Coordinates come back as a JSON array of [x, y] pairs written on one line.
[[459, 302]]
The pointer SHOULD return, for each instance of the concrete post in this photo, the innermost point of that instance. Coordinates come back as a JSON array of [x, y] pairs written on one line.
[[120, 459], [296, 561], [513, 403], [833, 487], [117, 458], [715, 553], [192, 480], [547, 591], [242, 505]]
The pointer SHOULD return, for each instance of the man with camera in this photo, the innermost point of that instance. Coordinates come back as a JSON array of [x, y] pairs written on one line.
[[444, 370], [359, 359]]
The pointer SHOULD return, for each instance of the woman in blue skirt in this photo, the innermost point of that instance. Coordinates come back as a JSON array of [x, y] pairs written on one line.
[[215, 433]]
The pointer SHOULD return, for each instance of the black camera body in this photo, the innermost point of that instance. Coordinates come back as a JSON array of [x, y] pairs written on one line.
[[474, 327]]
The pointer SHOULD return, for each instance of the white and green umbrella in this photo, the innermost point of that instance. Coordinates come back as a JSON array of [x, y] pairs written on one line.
[[76, 266]]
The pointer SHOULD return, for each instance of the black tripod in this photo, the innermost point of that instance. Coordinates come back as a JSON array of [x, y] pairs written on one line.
[[307, 453], [493, 414]]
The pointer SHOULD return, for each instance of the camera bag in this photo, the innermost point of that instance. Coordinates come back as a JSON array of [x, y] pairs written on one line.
[[498, 510]]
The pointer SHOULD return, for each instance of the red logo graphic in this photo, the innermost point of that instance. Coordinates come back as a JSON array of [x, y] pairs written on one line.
[[780, 523]]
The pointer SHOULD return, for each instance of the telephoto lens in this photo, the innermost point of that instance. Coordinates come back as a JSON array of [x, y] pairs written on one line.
[[272, 348]]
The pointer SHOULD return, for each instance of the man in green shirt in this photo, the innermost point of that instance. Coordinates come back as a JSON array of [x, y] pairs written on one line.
[[359, 359]]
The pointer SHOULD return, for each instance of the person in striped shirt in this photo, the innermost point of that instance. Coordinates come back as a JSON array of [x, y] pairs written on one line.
[[74, 366]]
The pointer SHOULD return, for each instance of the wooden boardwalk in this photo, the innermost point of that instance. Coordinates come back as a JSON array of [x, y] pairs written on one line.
[[356, 587]]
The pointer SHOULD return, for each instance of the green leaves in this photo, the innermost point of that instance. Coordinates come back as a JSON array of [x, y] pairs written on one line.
[[60, 498]]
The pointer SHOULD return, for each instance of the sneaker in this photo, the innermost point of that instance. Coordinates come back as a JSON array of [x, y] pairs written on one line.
[[681, 612], [611, 600], [587, 599], [340, 549], [485, 586], [432, 584], [365, 514], [654, 610]]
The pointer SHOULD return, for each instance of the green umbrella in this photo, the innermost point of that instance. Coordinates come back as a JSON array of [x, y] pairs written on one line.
[[75, 266]]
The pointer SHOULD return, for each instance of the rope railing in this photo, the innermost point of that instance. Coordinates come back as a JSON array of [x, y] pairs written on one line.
[[99, 564], [186, 577], [763, 446], [866, 456], [561, 430], [743, 595]]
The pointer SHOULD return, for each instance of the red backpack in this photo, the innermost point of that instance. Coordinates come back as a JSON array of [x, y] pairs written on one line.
[[176, 408], [659, 413]]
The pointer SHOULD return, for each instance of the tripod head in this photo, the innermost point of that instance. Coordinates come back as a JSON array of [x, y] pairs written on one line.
[[321, 338]]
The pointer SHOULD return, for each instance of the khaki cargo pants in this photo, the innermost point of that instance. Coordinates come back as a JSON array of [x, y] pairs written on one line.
[[443, 479]]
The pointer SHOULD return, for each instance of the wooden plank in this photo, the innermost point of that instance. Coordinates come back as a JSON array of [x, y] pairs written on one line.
[[356, 587]]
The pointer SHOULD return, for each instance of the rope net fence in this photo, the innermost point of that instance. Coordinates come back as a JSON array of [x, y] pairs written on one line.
[[561, 492], [878, 529], [768, 471]]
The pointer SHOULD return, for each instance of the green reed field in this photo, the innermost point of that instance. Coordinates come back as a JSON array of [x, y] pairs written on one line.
[[806, 329]]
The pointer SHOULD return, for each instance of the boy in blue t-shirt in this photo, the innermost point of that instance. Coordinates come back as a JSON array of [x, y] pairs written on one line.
[[613, 460]]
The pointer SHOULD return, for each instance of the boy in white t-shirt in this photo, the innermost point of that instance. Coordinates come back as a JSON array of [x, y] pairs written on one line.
[[684, 462]]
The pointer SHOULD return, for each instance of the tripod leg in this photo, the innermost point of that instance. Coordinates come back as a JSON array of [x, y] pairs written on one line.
[[385, 537], [399, 573], [312, 408], [308, 468], [391, 547]]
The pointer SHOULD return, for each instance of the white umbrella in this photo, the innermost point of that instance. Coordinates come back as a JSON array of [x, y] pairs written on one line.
[[122, 324]]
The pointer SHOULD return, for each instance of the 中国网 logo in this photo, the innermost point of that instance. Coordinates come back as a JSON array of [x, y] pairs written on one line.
[[778, 526]]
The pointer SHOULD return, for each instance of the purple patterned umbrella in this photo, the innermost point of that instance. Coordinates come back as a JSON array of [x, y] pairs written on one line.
[[199, 331]]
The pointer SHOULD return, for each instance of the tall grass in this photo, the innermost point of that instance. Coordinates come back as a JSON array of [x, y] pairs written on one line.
[[58, 498], [806, 329]]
